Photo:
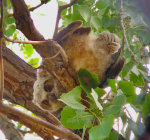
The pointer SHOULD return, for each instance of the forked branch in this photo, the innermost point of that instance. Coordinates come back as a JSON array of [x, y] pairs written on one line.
[[60, 9]]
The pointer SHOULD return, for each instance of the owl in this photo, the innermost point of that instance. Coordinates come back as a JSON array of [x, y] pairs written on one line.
[[96, 53]]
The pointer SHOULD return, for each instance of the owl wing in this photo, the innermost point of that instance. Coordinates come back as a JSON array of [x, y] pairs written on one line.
[[115, 68], [67, 31]]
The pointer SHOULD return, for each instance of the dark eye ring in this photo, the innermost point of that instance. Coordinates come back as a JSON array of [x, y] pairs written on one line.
[[45, 102], [48, 88]]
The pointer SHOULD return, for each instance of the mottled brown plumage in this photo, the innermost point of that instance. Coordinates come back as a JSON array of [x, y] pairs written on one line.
[[96, 53]]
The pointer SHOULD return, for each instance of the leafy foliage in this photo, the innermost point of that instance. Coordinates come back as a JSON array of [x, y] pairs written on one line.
[[133, 85], [97, 111]]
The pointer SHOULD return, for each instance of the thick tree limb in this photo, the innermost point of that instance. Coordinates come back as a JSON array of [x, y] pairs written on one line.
[[1, 58], [9, 129], [25, 24], [41, 127], [57, 67], [19, 79]]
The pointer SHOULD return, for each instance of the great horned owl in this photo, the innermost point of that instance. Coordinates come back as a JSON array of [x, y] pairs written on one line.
[[96, 53]]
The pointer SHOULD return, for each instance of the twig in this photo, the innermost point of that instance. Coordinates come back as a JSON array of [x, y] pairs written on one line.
[[1, 58], [52, 56], [61, 50], [61, 8], [25, 42], [32, 8], [118, 126], [124, 33], [122, 25]]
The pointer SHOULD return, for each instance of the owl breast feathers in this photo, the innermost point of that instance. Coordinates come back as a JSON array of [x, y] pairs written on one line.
[[98, 54]]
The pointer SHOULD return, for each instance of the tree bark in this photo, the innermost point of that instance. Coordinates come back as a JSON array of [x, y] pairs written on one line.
[[9, 129]]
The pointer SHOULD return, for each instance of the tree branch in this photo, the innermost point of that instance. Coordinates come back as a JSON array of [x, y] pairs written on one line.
[[9, 129], [33, 8], [1, 58], [19, 80], [25, 42], [125, 40], [60, 9], [44, 128], [25, 24], [39, 5], [61, 51]]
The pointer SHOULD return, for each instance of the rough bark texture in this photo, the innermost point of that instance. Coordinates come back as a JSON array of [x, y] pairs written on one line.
[[25, 24], [9, 129], [19, 80]]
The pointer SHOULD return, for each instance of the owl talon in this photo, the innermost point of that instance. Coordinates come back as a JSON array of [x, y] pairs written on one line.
[[109, 41]]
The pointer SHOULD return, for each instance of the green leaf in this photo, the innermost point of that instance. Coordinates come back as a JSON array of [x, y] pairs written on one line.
[[60, 3], [100, 91], [101, 4], [145, 76], [95, 97], [127, 68], [8, 3], [9, 20], [87, 80], [95, 22], [76, 15], [144, 34], [45, 1], [84, 11], [137, 79], [73, 99], [75, 119], [128, 89], [34, 62], [10, 30], [137, 128], [101, 131], [146, 106], [110, 22], [113, 136], [27, 50], [116, 106], [112, 84]]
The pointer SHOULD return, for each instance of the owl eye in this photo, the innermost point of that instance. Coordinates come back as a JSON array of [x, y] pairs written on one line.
[[48, 86], [46, 102]]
